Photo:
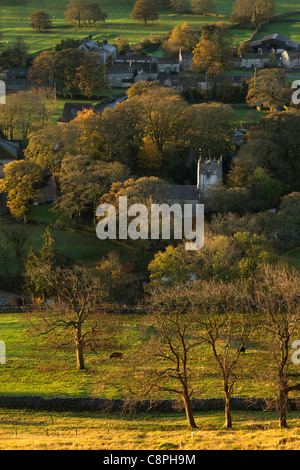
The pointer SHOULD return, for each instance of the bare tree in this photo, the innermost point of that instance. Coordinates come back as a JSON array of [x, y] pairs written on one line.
[[222, 315], [76, 310], [277, 299]]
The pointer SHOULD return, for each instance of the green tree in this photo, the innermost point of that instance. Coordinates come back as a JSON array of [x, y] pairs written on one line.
[[203, 7], [40, 21], [37, 264], [144, 11]]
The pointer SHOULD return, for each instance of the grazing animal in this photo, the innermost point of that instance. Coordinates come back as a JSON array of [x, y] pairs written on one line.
[[242, 349], [116, 355]]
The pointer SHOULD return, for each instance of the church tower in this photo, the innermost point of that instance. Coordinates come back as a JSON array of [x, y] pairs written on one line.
[[209, 173]]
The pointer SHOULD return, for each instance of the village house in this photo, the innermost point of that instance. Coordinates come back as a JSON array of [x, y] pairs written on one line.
[[119, 77], [134, 59], [254, 61], [290, 60], [168, 65], [185, 60], [105, 53]]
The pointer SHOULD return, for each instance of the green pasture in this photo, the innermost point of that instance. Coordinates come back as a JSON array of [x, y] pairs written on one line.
[[35, 366], [14, 21], [70, 242], [286, 28]]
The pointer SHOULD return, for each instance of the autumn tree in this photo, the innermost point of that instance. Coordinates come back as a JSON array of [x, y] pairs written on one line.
[[20, 182], [83, 181], [246, 12], [47, 148], [68, 71], [181, 37], [268, 89], [40, 21], [144, 11], [26, 111], [209, 127], [161, 111], [84, 13], [141, 87]]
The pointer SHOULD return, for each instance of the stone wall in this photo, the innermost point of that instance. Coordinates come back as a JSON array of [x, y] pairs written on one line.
[[103, 404]]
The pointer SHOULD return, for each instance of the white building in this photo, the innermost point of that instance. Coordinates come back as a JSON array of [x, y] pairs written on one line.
[[290, 60], [105, 52]]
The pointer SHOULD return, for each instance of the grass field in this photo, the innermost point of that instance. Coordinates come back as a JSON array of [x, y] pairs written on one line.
[[34, 366], [70, 243], [14, 21], [42, 430], [289, 29]]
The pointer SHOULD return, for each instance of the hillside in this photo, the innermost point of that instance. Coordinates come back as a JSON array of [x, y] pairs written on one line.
[[15, 22]]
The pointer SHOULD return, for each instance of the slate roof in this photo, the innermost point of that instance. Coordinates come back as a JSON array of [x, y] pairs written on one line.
[[71, 111]]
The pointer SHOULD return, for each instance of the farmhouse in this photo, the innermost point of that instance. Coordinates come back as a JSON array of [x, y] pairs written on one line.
[[104, 52], [253, 61], [119, 77], [273, 43], [291, 60], [168, 65]]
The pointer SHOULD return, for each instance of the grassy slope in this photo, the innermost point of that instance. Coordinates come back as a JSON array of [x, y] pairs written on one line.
[[15, 21]]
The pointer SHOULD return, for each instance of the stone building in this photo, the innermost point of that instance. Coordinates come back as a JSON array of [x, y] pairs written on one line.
[[209, 173]]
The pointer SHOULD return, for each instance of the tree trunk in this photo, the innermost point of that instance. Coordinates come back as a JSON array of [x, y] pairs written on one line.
[[283, 398], [189, 411], [79, 349], [228, 421]]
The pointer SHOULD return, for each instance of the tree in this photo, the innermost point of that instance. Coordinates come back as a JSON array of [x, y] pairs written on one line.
[[271, 145], [39, 262], [93, 14], [161, 111], [15, 55], [20, 182], [202, 7], [68, 71], [78, 294], [179, 5], [83, 181], [208, 126], [223, 316], [268, 89], [26, 111], [277, 298], [144, 11], [141, 87], [40, 21], [47, 148], [247, 11], [17, 238], [90, 79], [174, 327], [181, 37]]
